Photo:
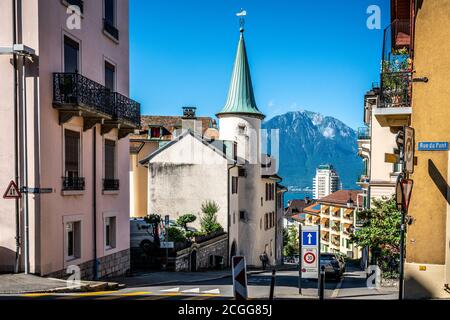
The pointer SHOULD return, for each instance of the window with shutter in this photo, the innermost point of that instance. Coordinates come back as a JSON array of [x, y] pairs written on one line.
[[72, 153], [110, 159]]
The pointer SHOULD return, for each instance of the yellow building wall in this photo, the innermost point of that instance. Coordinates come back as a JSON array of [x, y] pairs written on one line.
[[427, 247], [139, 181]]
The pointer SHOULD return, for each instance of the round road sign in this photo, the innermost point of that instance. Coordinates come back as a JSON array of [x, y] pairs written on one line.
[[309, 257]]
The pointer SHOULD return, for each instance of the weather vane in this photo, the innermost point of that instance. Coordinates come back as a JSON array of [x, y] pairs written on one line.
[[241, 14]]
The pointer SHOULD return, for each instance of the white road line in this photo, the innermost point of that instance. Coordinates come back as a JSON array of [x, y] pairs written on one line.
[[170, 290], [195, 290], [213, 291], [336, 290]]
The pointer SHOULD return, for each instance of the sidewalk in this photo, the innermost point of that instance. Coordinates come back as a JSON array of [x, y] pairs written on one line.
[[21, 283], [354, 286]]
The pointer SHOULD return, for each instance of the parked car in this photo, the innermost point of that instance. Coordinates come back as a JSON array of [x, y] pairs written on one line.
[[333, 266], [141, 234]]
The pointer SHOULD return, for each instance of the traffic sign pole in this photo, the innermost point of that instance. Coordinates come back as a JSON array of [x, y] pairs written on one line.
[[299, 259]]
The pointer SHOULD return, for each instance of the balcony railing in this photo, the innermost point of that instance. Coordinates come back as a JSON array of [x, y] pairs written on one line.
[[110, 184], [78, 3], [75, 89], [396, 75], [74, 92], [73, 183], [127, 109], [364, 133], [110, 29]]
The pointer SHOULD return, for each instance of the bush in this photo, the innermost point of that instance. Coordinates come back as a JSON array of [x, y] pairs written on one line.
[[208, 221], [183, 220], [176, 234]]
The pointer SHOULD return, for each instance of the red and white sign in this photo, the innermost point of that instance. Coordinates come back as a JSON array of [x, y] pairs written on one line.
[[12, 192], [239, 278]]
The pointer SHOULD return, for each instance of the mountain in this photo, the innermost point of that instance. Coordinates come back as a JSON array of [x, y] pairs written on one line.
[[308, 139]]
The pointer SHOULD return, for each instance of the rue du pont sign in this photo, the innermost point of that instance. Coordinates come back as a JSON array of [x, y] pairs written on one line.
[[433, 146]]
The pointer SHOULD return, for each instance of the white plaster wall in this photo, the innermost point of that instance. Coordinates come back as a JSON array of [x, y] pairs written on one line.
[[185, 175]]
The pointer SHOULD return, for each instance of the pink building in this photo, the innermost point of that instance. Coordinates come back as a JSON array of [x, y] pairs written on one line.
[[77, 124]]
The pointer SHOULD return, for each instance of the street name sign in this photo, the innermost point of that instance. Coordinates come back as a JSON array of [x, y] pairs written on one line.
[[166, 245], [37, 190], [310, 252], [12, 191], [433, 146]]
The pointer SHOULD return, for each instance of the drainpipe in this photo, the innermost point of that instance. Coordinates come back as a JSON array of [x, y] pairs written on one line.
[[16, 140], [229, 212], [94, 199]]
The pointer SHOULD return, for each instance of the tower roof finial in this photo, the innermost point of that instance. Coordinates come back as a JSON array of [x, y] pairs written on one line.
[[241, 14]]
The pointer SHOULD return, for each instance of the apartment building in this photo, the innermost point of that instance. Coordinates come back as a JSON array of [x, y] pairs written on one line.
[[412, 93], [66, 129], [325, 182]]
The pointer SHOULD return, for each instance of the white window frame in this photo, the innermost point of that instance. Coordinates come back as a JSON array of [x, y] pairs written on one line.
[[64, 33], [72, 260], [112, 135], [72, 127], [106, 216]]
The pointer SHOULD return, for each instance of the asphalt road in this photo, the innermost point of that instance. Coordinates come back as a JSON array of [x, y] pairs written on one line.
[[286, 287]]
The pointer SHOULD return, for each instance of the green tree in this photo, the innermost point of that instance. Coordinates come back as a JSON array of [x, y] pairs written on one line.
[[290, 241], [183, 220], [176, 234], [154, 220], [208, 221], [381, 234]]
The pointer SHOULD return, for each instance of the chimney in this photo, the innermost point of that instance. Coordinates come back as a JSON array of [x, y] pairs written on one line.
[[189, 112]]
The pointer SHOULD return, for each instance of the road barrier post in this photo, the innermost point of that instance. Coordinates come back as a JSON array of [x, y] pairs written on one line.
[[272, 284], [239, 271]]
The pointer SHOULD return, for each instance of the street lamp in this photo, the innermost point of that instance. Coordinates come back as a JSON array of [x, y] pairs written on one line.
[[350, 202]]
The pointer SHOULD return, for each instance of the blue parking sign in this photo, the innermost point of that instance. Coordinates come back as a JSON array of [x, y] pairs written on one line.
[[309, 238]]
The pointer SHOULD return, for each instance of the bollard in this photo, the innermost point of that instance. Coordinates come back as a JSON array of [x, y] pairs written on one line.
[[322, 283], [272, 284]]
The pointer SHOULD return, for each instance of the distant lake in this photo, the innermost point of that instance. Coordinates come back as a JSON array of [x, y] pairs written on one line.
[[291, 195]]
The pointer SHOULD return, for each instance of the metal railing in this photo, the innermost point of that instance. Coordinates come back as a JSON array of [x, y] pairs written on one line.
[[396, 70], [126, 108], [73, 183], [363, 133], [110, 184], [73, 88]]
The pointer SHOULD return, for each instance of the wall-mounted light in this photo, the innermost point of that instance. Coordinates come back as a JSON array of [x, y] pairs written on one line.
[[422, 79]]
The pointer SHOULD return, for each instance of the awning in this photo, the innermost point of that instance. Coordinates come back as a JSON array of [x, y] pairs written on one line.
[[348, 211], [325, 208], [316, 219], [335, 209], [347, 225], [324, 232], [324, 219]]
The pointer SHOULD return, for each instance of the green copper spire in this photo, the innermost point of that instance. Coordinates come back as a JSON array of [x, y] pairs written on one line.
[[241, 99]]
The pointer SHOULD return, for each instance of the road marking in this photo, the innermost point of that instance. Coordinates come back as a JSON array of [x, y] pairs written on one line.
[[159, 297], [213, 291], [195, 290], [36, 295], [86, 294], [337, 289], [137, 293], [201, 297], [170, 290]]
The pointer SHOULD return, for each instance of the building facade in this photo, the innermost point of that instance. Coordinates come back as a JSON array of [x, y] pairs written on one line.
[[325, 182], [74, 90], [228, 170]]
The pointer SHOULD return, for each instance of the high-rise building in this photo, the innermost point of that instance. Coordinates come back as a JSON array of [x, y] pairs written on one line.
[[325, 182], [65, 118]]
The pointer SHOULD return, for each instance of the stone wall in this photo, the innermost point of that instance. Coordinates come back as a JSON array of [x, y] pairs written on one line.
[[112, 265], [216, 247]]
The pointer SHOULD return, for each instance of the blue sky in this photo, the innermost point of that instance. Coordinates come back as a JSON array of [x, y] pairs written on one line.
[[313, 55]]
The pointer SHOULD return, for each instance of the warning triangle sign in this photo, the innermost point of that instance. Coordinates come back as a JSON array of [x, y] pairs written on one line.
[[12, 192], [406, 185]]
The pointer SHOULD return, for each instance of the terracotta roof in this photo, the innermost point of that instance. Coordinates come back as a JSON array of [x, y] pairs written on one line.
[[172, 122], [340, 197], [296, 206], [314, 208]]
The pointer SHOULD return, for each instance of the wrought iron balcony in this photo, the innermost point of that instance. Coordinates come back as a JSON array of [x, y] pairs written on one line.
[[396, 89], [74, 92], [110, 184], [126, 110], [78, 3], [363, 133], [73, 183], [110, 29]]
